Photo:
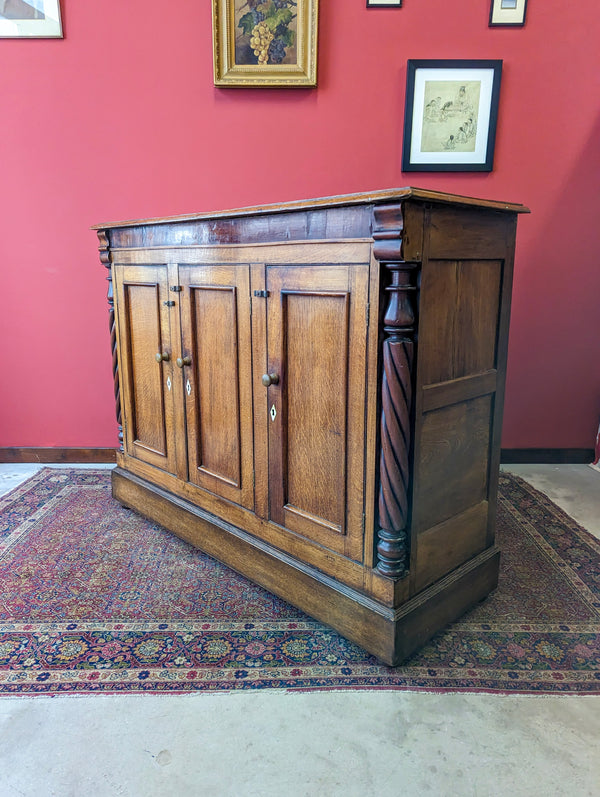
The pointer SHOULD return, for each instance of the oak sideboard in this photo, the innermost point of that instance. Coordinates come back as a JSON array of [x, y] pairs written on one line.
[[311, 392]]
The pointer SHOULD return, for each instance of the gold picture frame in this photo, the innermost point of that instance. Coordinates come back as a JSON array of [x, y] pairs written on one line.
[[265, 43]]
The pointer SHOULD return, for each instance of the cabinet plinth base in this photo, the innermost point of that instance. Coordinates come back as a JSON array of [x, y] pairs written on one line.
[[389, 634]]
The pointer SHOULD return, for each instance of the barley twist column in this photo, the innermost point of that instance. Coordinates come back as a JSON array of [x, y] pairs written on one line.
[[396, 403], [103, 248]]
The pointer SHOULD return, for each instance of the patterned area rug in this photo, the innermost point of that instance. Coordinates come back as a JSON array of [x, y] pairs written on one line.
[[94, 598]]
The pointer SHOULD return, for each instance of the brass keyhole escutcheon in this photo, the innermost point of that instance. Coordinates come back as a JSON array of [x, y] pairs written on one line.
[[270, 379], [273, 413]]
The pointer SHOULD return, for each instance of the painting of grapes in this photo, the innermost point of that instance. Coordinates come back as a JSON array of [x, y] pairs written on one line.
[[266, 32]]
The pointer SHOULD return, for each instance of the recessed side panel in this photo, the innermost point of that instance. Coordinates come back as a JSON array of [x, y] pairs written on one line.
[[458, 333], [452, 470], [457, 380]]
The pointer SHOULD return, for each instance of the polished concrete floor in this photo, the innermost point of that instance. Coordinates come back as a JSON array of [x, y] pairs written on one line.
[[355, 744]]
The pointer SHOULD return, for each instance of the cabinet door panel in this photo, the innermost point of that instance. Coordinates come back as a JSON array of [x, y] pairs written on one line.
[[317, 346], [144, 330], [216, 338]]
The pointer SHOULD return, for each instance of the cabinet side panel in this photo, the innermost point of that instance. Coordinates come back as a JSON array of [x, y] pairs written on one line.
[[452, 470], [458, 335], [478, 304], [460, 370]]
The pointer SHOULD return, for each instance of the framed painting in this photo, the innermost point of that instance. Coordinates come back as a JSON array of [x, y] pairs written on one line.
[[265, 42], [30, 19], [450, 116], [508, 13]]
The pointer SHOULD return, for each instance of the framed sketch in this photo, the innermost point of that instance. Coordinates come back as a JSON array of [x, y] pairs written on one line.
[[384, 3], [450, 116], [30, 19], [508, 12], [265, 42]]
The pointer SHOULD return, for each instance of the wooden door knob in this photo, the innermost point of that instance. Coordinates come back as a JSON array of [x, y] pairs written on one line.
[[181, 361], [270, 379], [160, 356]]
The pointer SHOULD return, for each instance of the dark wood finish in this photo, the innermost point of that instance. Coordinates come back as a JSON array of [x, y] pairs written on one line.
[[396, 406], [56, 455], [103, 249], [282, 413], [370, 199]]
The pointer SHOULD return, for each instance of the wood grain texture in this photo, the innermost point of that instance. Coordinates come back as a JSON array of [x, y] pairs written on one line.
[[215, 322], [367, 198], [388, 227], [452, 469], [349, 250], [57, 454], [433, 608], [316, 344], [446, 546], [144, 327], [464, 388], [460, 301], [463, 233]]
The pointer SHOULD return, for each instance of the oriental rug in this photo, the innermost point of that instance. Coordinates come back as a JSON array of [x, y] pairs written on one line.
[[93, 598]]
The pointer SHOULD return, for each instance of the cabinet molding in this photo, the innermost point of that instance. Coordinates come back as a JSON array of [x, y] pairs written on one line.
[[312, 393]]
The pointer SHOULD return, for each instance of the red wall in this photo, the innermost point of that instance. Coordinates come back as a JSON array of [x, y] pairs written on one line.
[[120, 120]]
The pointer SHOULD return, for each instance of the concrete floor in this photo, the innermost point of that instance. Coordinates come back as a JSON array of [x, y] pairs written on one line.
[[332, 743]]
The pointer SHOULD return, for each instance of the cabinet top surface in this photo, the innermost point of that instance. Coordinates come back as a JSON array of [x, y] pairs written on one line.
[[366, 198]]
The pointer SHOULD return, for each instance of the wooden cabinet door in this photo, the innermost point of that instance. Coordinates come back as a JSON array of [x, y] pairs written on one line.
[[215, 322], [316, 350], [144, 322]]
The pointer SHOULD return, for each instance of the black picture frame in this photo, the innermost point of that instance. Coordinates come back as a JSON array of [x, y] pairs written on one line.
[[507, 13], [36, 19], [450, 115]]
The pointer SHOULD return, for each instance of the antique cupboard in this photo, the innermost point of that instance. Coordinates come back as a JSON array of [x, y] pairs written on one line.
[[312, 393]]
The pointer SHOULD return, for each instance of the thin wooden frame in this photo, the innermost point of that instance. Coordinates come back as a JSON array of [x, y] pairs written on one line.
[[450, 115], [286, 55], [30, 19], [507, 13]]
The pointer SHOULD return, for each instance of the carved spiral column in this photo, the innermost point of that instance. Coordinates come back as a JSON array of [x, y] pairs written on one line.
[[103, 248], [396, 403]]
